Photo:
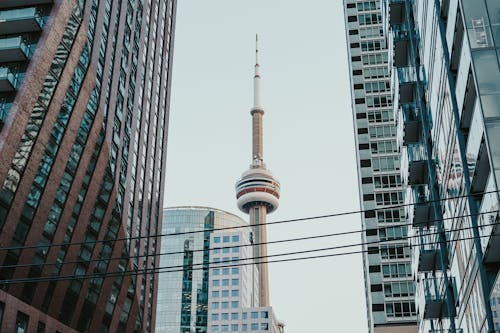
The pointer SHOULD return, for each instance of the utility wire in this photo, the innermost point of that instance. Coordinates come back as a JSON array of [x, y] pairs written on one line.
[[14, 248], [180, 268], [263, 243]]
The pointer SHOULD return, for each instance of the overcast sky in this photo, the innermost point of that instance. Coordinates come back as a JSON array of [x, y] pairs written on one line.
[[308, 139]]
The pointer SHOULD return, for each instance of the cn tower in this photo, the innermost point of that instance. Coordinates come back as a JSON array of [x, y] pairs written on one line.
[[258, 191]]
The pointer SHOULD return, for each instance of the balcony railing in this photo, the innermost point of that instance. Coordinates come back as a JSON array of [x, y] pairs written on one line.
[[396, 12], [412, 127], [426, 255], [17, 21], [401, 45], [4, 111], [9, 81], [457, 330], [15, 49], [423, 210], [432, 295], [19, 3]]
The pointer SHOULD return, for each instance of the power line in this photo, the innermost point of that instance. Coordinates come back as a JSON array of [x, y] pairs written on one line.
[[180, 268], [262, 243], [236, 227]]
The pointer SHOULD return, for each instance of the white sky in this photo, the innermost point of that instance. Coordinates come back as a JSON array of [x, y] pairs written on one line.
[[308, 139]]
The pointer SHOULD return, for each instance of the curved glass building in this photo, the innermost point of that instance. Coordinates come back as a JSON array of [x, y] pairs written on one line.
[[183, 293]]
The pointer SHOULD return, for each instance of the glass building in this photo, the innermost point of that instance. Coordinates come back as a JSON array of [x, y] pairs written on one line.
[[445, 65], [209, 280], [84, 102], [389, 285], [183, 293]]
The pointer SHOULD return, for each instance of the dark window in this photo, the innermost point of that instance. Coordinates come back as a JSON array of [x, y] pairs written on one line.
[[353, 32], [363, 130], [359, 101], [370, 214], [364, 146], [371, 232], [368, 197], [376, 287], [366, 180], [40, 328], [372, 250], [352, 18], [357, 72], [354, 45], [377, 307], [374, 269], [22, 321], [358, 86], [361, 115], [366, 163], [351, 5]]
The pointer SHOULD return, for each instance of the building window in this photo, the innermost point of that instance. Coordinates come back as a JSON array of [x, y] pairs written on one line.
[[236, 238], [234, 316], [216, 239], [215, 305], [255, 315], [225, 239], [234, 304], [22, 322]]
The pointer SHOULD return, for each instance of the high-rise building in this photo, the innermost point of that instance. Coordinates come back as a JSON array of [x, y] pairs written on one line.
[[445, 65], [233, 287], [84, 100], [389, 285], [183, 292], [258, 191], [209, 281]]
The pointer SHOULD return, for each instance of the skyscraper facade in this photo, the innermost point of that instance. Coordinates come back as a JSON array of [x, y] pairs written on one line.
[[389, 285], [183, 291], [84, 99], [447, 86]]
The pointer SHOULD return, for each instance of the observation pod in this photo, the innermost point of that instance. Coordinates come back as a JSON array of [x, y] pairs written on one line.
[[255, 188]]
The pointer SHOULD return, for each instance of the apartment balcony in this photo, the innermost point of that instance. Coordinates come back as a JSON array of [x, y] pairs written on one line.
[[23, 3], [412, 127], [426, 255], [407, 79], [14, 49], [417, 165], [397, 12], [9, 80], [4, 111], [432, 298], [423, 210], [23, 20], [457, 330], [401, 46]]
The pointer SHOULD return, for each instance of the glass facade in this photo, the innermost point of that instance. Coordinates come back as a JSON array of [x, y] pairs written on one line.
[[446, 70], [183, 296], [84, 101], [387, 263]]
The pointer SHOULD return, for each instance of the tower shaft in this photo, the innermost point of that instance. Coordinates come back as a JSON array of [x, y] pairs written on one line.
[[257, 133], [258, 215]]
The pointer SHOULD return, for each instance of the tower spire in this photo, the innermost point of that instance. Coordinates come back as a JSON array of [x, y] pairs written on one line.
[[257, 104]]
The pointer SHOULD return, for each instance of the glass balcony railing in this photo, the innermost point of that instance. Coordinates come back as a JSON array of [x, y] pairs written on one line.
[[15, 49], [431, 296], [4, 111], [9, 81], [426, 255], [22, 20], [422, 212], [457, 330]]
